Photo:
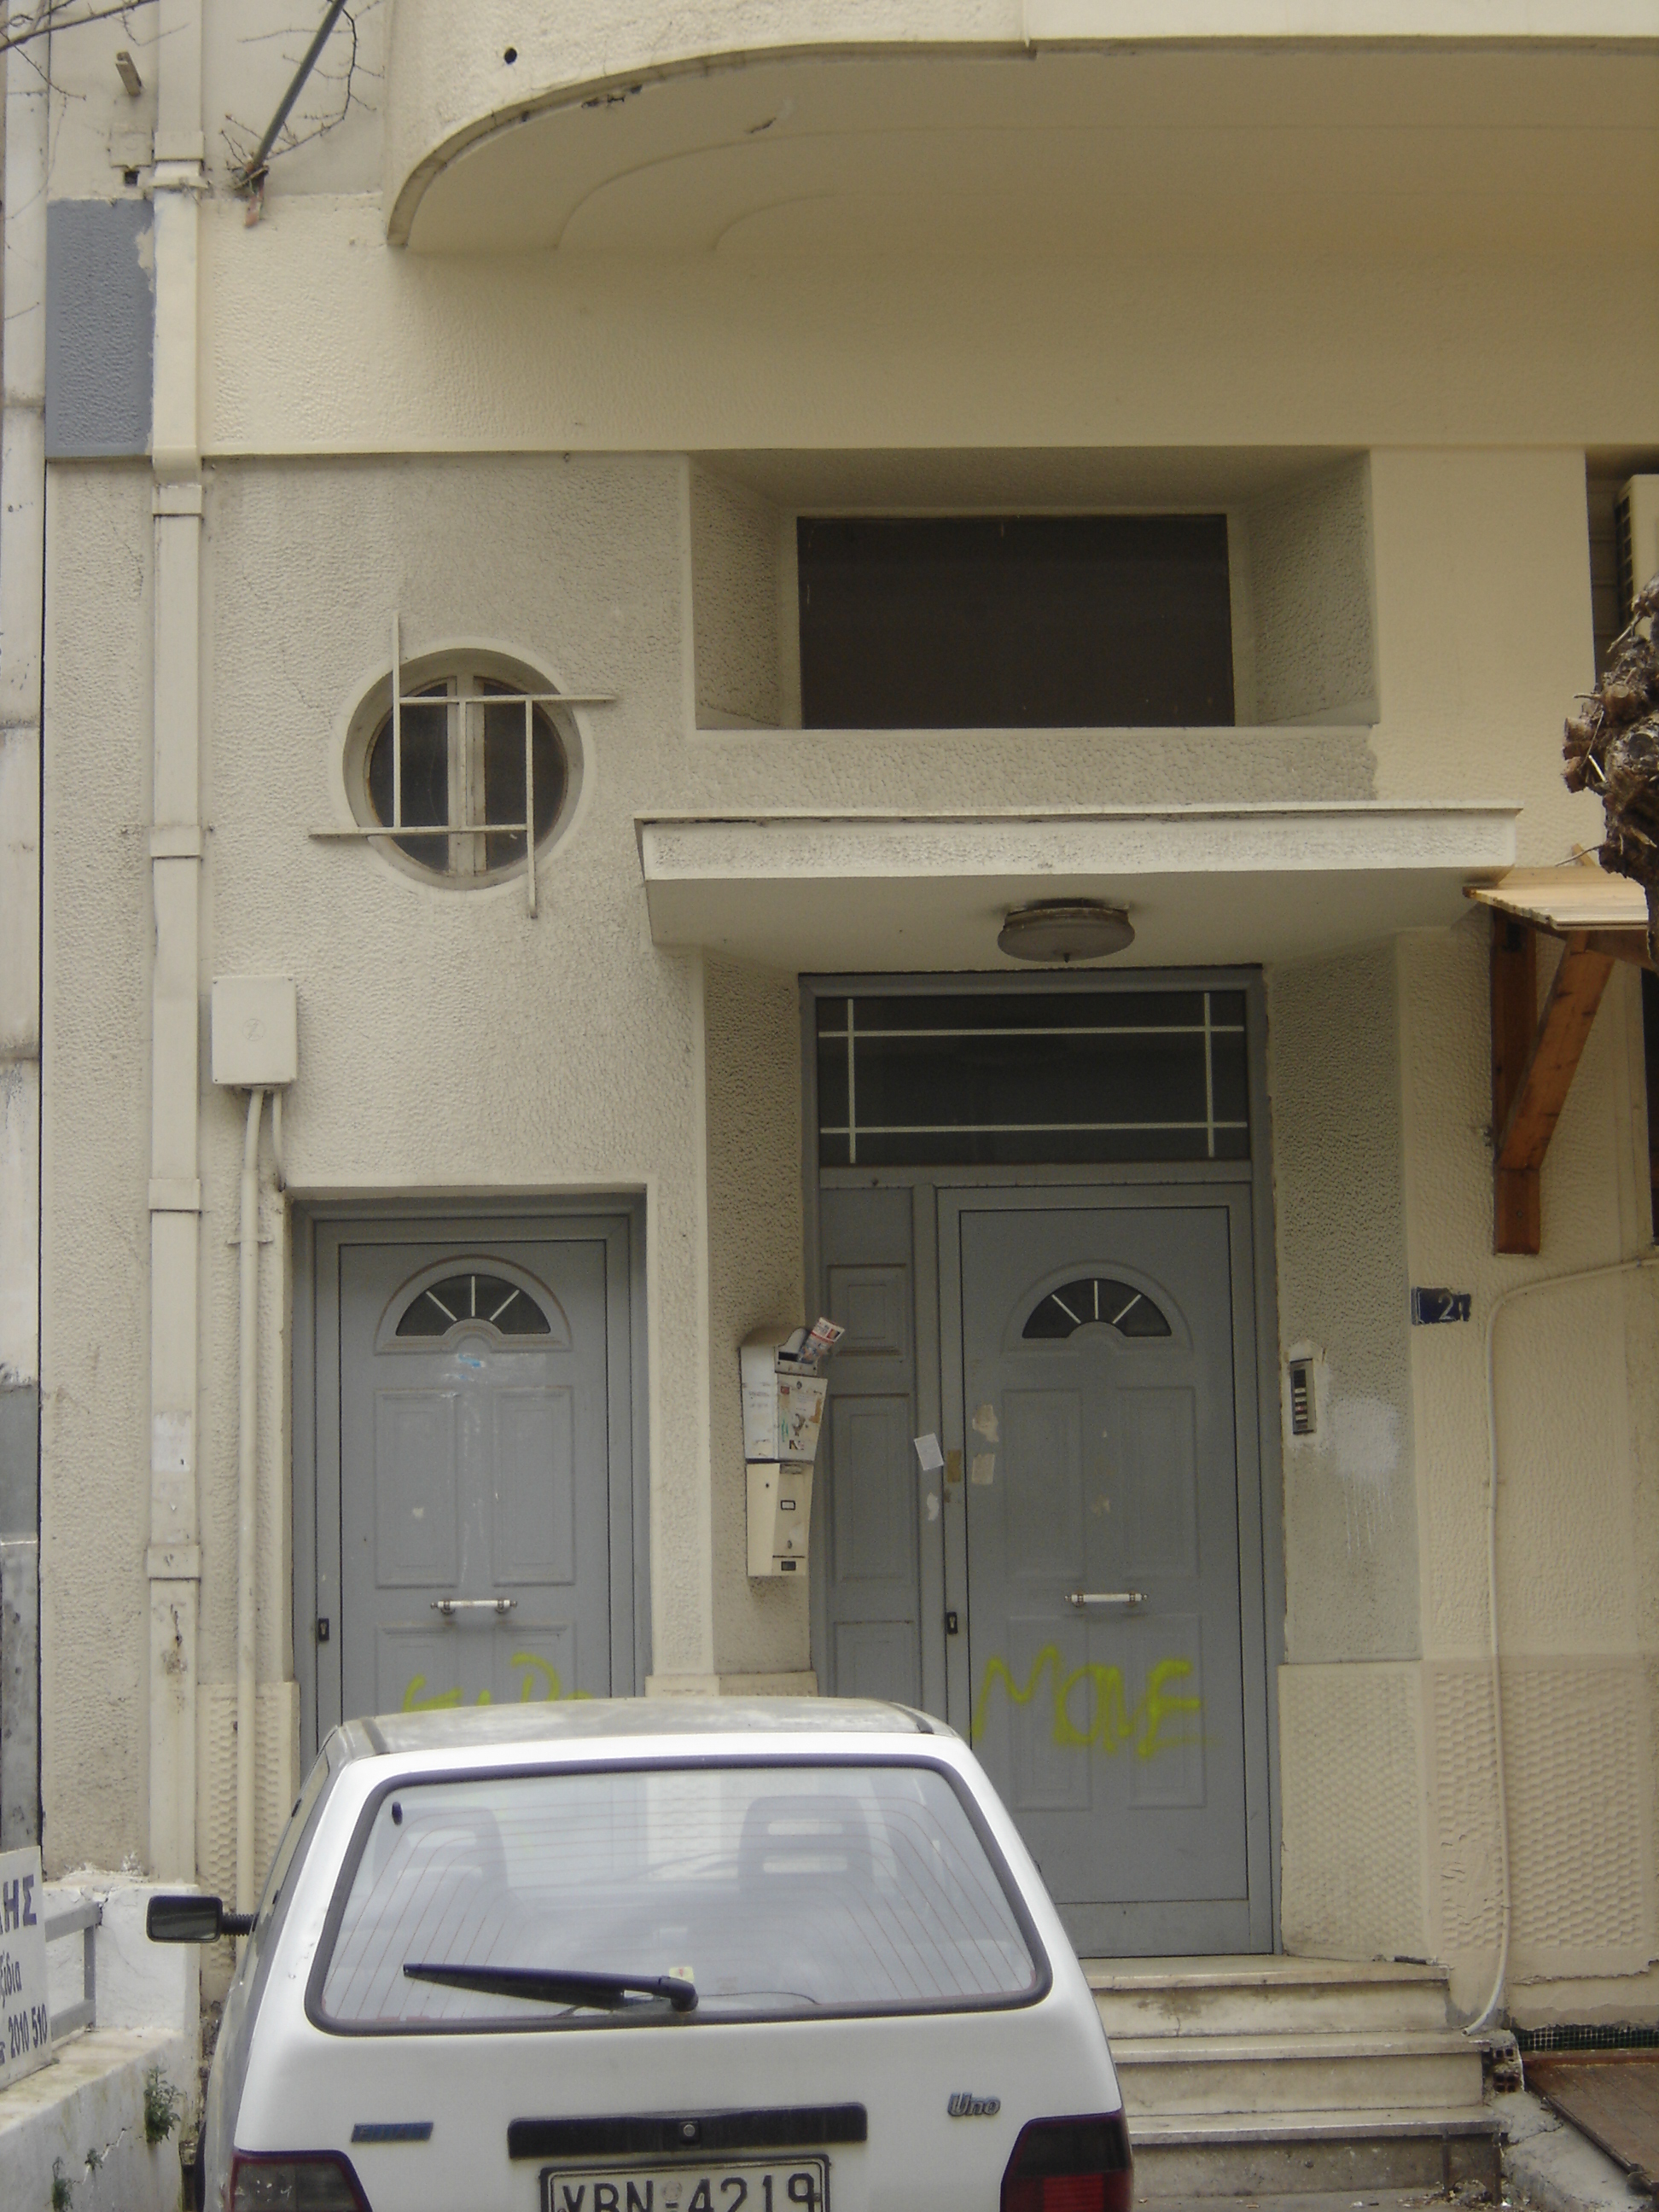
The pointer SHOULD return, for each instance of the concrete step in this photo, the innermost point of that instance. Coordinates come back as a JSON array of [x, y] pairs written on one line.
[[1314, 2155], [1263, 1996], [1418, 2070]]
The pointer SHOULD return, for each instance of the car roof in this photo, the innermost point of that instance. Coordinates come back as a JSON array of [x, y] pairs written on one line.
[[594, 1720]]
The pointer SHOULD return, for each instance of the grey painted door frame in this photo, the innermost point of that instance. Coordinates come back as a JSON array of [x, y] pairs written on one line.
[[931, 1188], [319, 1229]]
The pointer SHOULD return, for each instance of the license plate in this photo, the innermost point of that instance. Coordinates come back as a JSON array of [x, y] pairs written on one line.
[[773, 2184]]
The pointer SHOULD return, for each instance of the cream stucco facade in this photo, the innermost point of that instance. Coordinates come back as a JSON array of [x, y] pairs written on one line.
[[544, 358]]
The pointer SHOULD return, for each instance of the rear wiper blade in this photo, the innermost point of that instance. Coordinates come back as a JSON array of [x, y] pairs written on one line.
[[560, 1986]]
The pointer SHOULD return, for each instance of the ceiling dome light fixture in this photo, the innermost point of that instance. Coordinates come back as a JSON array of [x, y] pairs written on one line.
[[1065, 930]]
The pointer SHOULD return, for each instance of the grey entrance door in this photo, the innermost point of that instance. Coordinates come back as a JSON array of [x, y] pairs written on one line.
[[481, 1489], [1114, 1669]]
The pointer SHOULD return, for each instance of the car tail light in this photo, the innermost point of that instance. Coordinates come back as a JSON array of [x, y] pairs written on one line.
[[1071, 2166], [294, 2181]]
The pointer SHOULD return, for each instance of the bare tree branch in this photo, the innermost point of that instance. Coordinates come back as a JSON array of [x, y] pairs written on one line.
[[340, 67]]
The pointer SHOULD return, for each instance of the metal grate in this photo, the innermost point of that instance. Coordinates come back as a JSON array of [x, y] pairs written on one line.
[[429, 769], [1011, 1078], [1537, 2040], [463, 1298], [1096, 1298]]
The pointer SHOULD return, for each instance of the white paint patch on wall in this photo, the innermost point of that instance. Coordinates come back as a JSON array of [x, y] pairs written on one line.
[[1365, 1435]]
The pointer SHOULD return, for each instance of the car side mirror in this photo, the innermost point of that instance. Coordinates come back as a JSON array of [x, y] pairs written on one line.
[[186, 1918]]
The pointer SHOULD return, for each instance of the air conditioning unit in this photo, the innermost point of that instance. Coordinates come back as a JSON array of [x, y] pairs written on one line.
[[1636, 531]]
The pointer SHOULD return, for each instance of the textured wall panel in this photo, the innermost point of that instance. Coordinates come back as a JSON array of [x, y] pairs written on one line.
[[1350, 1562], [752, 1063], [1581, 1841], [277, 1779], [734, 603], [1310, 587], [1350, 1765], [1463, 1811], [1578, 1771]]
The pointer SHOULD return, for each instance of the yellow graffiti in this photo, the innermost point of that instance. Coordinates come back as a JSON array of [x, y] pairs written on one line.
[[532, 1666], [1108, 1723], [416, 1700]]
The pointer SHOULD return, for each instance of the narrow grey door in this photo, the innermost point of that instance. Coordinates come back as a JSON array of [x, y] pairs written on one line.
[[1112, 1692], [474, 1527], [869, 1576]]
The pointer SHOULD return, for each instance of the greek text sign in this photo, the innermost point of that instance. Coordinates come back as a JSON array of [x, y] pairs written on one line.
[[25, 2018]]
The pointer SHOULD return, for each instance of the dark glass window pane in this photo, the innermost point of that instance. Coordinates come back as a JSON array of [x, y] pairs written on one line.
[[832, 1082], [425, 778], [504, 776], [1015, 621], [995, 1079], [965, 1012], [470, 1297]]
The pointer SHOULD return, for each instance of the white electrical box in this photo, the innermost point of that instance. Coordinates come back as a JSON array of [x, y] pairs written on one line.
[[1636, 525], [256, 1032], [779, 1514]]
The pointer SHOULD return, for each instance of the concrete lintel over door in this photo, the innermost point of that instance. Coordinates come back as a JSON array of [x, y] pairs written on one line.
[[879, 892]]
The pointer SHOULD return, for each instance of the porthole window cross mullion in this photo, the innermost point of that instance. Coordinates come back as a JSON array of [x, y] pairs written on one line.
[[453, 769]]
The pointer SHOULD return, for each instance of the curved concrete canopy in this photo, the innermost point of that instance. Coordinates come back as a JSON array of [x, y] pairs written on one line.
[[984, 143]]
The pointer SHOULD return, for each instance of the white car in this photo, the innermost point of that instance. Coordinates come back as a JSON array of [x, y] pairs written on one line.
[[674, 1955]]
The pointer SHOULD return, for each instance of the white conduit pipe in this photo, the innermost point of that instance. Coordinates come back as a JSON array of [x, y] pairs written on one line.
[[1520, 1291], [247, 1500]]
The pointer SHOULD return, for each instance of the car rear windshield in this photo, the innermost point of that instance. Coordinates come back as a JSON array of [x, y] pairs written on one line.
[[779, 1890]]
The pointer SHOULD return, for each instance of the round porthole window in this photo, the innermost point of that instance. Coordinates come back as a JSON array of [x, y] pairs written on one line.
[[475, 757]]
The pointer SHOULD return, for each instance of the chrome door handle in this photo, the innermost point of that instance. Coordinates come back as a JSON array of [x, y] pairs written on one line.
[[449, 1607], [1128, 1599]]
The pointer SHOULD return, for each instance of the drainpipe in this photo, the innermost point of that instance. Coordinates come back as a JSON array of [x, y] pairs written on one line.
[[247, 1501], [1489, 2010], [173, 1560], [22, 574]]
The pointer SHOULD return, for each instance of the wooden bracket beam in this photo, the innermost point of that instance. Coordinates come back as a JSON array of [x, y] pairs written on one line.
[[1533, 1060]]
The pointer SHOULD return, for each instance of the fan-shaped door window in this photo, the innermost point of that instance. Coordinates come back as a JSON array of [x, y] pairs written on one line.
[[1096, 1298], [471, 1298]]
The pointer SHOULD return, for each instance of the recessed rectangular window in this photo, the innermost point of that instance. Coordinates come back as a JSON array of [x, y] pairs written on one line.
[[993, 1079], [1015, 621]]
